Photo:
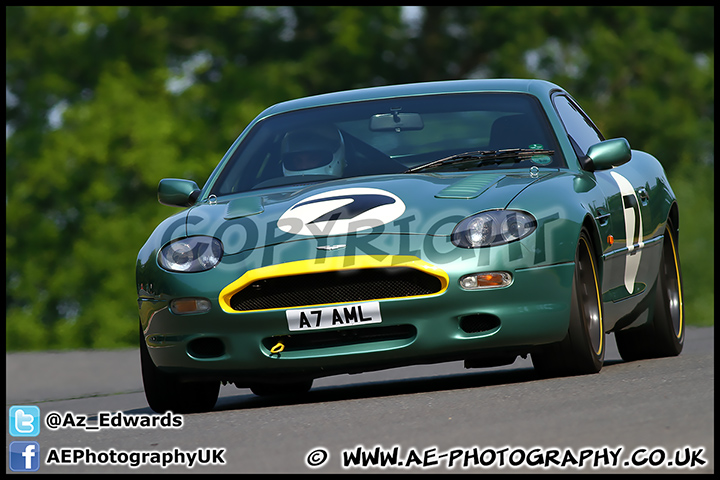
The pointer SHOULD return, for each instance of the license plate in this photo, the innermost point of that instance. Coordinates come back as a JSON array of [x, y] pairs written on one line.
[[319, 318]]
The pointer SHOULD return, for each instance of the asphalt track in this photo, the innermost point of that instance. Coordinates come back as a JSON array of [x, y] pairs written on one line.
[[652, 416]]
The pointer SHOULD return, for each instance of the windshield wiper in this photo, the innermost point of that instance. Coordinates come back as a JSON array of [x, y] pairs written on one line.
[[483, 157]]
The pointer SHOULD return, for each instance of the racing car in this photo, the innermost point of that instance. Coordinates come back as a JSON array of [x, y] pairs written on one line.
[[473, 220]]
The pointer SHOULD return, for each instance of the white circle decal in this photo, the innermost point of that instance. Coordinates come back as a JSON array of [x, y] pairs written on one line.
[[339, 212], [633, 230]]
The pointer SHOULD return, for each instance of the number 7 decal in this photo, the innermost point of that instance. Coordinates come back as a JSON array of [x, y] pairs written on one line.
[[633, 229]]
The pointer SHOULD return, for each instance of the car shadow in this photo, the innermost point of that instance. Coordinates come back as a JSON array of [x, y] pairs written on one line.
[[385, 388], [379, 388], [375, 389]]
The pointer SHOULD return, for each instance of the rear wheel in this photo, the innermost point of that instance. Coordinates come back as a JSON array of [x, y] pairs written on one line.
[[165, 392], [664, 335], [583, 349]]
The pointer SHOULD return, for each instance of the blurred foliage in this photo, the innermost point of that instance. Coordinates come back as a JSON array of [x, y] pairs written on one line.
[[102, 102]]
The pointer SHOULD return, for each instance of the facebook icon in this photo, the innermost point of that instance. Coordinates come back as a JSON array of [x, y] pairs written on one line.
[[24, 456]]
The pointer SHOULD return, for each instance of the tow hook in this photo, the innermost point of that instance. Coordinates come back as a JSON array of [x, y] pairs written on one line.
[[279, 347]]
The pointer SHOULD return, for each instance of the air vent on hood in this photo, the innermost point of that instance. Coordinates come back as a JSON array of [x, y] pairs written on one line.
[[469, 187], [243, 207]]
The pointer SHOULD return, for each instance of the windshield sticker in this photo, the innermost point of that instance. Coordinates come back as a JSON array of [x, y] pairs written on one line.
[[541, 159]]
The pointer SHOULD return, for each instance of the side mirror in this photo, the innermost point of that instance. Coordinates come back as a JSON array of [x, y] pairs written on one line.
[[607, 154], [175, 192]]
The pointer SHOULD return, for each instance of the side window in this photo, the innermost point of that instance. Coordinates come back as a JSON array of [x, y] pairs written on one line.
[[581, 131]]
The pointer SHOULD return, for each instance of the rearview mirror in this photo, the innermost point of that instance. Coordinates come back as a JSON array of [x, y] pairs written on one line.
[[607, 154], [175, 192], [397, 121]]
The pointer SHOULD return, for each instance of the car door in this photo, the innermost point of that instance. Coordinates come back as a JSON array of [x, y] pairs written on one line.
[[629, 222], [619, 217]]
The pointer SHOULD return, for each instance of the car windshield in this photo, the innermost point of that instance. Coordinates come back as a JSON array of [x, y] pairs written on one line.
[[402, 134]]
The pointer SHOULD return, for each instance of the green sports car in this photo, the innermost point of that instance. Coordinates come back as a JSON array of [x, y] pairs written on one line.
[[473, 220]]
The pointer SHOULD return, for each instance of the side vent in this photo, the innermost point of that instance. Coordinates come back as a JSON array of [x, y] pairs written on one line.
[[479, 322], [206, 347]]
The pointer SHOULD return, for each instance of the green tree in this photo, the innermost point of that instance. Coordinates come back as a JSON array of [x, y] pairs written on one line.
[[103, 102]]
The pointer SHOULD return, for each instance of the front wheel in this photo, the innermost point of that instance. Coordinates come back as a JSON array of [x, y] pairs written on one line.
[[583, 349], [165, 393], [664, 335]]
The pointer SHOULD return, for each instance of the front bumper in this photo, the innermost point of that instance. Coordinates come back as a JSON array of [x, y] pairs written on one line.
[[451, 324]]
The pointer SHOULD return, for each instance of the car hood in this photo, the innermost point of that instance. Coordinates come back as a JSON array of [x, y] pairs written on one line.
[[410, 204]]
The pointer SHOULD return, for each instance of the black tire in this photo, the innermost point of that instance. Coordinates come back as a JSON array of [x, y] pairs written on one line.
[[664, 334], [583, 349], [165, 393], [285, 388]]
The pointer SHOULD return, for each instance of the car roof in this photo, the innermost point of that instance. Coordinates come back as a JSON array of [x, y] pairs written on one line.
[[535, 87]]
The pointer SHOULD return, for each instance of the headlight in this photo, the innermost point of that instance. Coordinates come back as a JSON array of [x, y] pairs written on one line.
[[191, 254], [494, 227]]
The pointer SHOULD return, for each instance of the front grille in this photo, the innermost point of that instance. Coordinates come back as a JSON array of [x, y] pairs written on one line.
[[334, 338], [343, 286]]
